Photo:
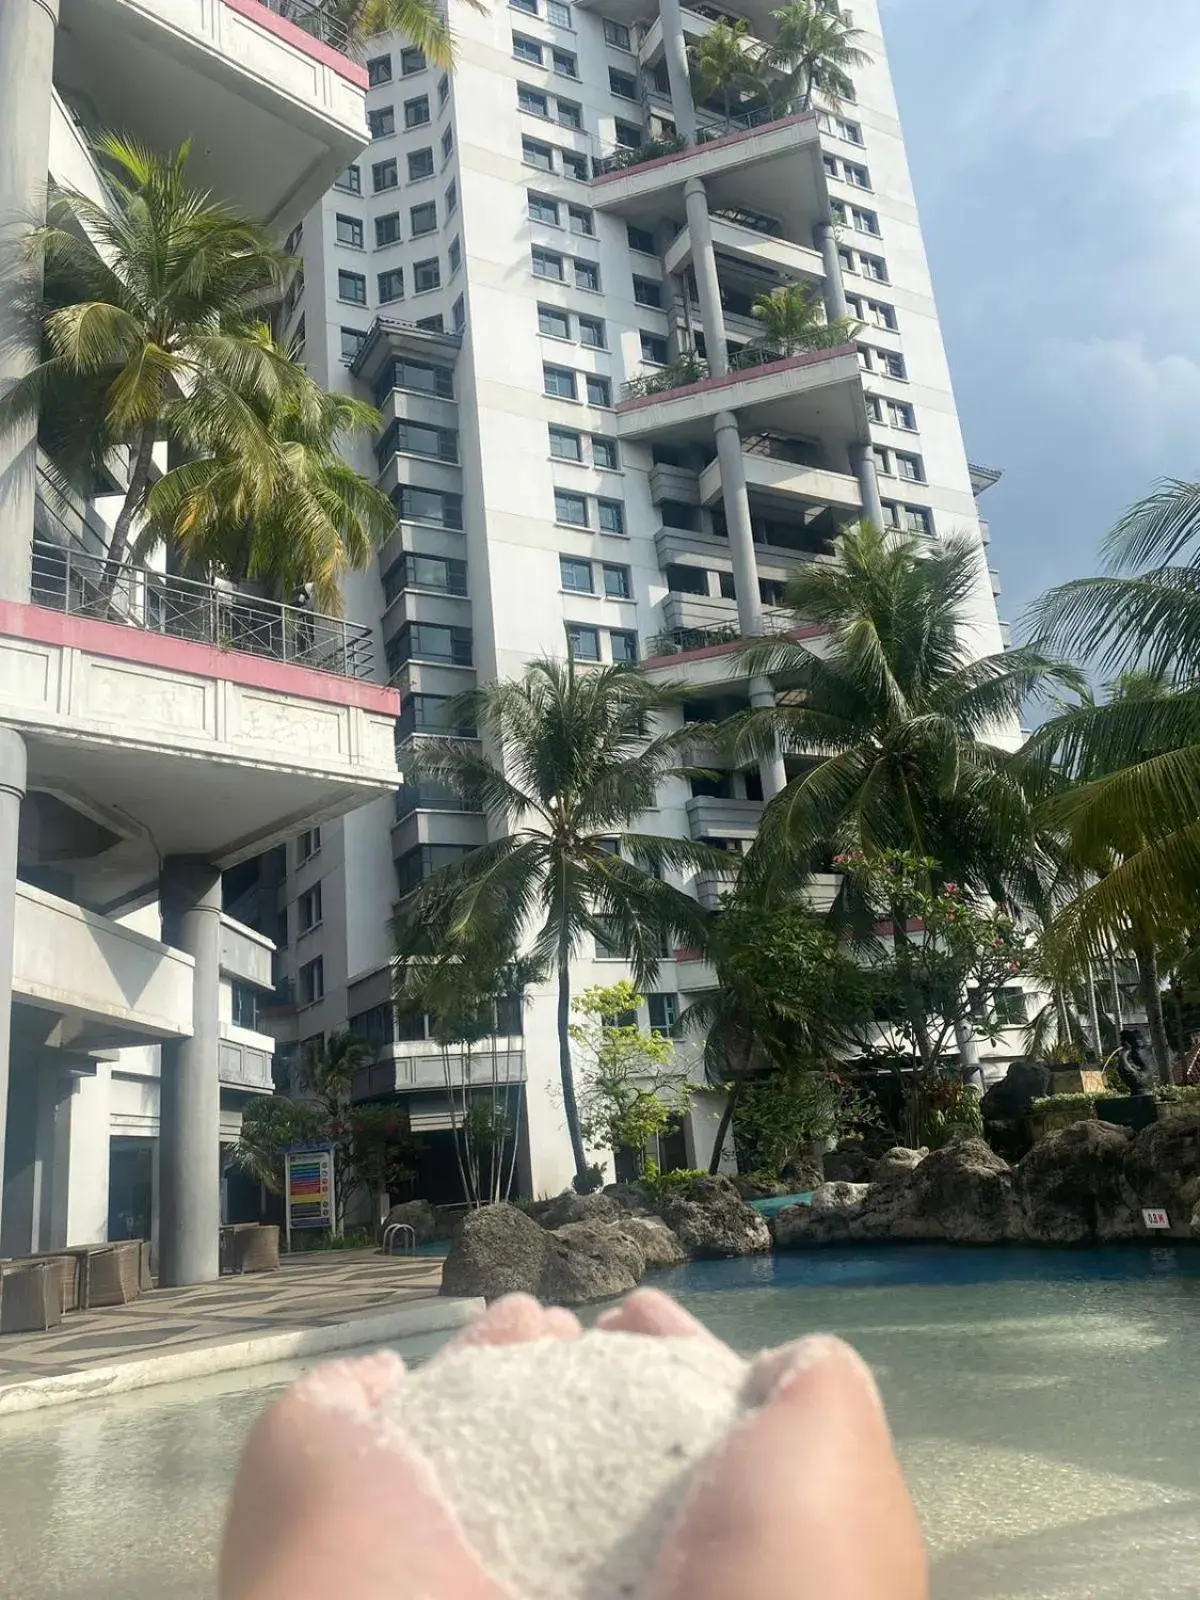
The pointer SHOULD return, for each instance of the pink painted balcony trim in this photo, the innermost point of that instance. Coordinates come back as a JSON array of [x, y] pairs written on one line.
[[743, 375], [706, 651], [160, 650], [722, 143], [270, 22]]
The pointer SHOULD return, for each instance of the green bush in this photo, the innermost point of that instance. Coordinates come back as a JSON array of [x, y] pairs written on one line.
[[658, 1185], [1175, 1094], [1081, 1101]]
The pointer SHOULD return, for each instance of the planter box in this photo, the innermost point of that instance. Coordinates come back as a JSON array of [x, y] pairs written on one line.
[[1136, 1111], [1043, 1122], [1077, 1080]]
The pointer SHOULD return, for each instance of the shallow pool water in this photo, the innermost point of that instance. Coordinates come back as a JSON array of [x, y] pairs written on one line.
[[1044, 1405]]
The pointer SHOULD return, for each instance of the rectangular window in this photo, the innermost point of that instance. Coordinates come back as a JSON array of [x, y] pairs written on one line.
[[591, 332], [883, 461], [391, 285], [243, 1006], [434, 324], [569, 114], [419, 439], [616, 582], [415, 504], [387, 229], [640, 239], [384, 175], [554, 323], [447, 141], [308, 908], [874, 407], [566, 444], [542, 208], [353, 340], [350, 231], [570, 508], [581, 221], [420, 164], [617, 34], [882, 315], [664, 1012], [534, 101], [530, 7], [412, 60], [546, 264], [627, 134], [536, 154], [611, 516], [604, 452], [379, 70], [850, 131], [647, 291], [558, 13], [584, 642], [608, 942], [443, 90], [312, 982], [654, 348], [565, 63], [831, 167], [901, 415], [381, 123], [910, 467], [350, 180], [426, 275], [856, 174], [622, 84], [526, 49], [864, 221], [574, 165], [307, 845], [846, 257], [872, 267], [352, 286], [587, 275], [890, 362], [451, 198], [422, 218], [576, 575], [442, 574], [559, 381], [909, 519], [1010, 1007], [420, 376], [459, 312], [416, 112], [454, 255], [599, 390], [837, 208]]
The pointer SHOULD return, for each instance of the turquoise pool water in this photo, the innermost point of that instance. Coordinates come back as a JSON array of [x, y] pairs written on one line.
[[1043, 1403]]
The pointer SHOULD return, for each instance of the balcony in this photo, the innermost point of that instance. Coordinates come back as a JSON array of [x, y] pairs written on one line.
[[711, 887], [243, 1066], [415, 1066], [274, 108], [772, 474], [712, 619], [710, 817], [740, 245]]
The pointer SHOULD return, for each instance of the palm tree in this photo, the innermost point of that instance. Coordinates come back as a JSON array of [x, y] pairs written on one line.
[[793, 320], [894, 719], [721, 64], [576, 763], [815, 48], [423, 21], [149, 303]]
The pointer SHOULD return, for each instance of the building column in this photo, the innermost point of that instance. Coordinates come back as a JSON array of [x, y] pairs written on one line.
[[834, 290], [190, 1091], [708, 286], [862, 460], [683, 107], [12, 792], [26, 64]]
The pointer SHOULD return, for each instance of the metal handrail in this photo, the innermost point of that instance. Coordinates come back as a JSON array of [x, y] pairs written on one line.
[[67, 579], [312, 16]]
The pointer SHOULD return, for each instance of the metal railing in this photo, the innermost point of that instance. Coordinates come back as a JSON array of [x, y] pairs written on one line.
[[315, 17], [691, 368], [66, 579], [679, 641], [618, 158]]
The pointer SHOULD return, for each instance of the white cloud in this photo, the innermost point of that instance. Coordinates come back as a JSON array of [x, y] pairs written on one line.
[[1147, 406]]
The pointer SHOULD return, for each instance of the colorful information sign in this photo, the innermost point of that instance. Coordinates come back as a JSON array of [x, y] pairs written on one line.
[[309, 1187]]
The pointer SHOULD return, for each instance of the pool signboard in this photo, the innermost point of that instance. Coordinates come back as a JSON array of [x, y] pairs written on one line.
[[308, 1189], [1155, 1217]]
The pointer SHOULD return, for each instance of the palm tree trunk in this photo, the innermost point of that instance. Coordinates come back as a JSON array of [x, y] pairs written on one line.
[[722, 1133], [1094, 1013], [1147, 965], [570, 1108], [139, 477]]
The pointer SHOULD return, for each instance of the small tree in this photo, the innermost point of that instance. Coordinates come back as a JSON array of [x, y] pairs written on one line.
[[782, 1117], [721, 64], [632, 1086], [793, 321], [816, 46]]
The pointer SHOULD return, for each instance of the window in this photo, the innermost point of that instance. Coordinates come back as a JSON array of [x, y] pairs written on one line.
[[547, 264], [587, 276], [654, 348], [617, 34], [307, 845], [532, 100], [1010, 1007], [554, 323], [864, 221], [530, 7], [627, 134], [412, 60], [882, 315], [542, 208], [451, 198], [447, 142], [857, 174], [837, 208], [420, 164], [312, 982], [350, 231], [883, 461], [910, 467], [569, 114], [387, 229], [640, 239], [909, 519], [599, 390], [352, 286], [243, 1006], [416, 112], [559, 382], [379, 70], [426, 275], [526, 49], [850, 131], [350, 180], [434, 324], [900, 414], [611, 514], [565, 63], [622, 84], [384, 175], [418, 438], [421, 376], [459, 312], [584, 642], [454, 255], [647, 291], [382, 122], [591, 332], [874, 407], [604, 452], [537, 154], [443, 90], [434, 641], [353, 340], [608, 942], [442, 574], [558, 13], [428, 505], [581, 221], [566, 444], [576, 575], [570, 508], [308, 908], [831, 167], [846, 257], [616, 582], [664, 1012], [422, 218], [391, 285], [574, 165], [872, 267]]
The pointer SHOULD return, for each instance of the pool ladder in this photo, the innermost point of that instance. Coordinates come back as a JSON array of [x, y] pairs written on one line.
[[405, 1232]]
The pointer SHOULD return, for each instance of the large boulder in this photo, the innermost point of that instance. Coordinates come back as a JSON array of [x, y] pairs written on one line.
[[898, 1164], [495, 1250], [710, 1218], [830, 1218], [1013, 1096], [1162, 1169], [962, 1192], [659, 1246], [418, 1215], [1071, 1189], [570, 1207], [850, 1163], [589, 1261]]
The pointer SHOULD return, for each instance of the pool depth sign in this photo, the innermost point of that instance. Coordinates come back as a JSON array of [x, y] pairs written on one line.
[[308, 1186], [1155, 1217]]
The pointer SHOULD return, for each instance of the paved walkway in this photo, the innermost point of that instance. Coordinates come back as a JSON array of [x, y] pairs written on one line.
[[305, 1307]]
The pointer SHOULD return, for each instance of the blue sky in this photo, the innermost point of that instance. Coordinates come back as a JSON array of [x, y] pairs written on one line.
[[1055, 146]]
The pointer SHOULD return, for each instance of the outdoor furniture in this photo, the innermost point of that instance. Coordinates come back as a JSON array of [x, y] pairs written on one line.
[[30, 1296], [69, 1273], [256, 1248], [109, 1274]]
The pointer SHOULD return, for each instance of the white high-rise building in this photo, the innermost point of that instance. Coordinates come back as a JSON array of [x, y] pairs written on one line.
[[521, 241]]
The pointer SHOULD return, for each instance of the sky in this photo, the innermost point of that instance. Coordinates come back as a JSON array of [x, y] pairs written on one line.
[[1055, 149]]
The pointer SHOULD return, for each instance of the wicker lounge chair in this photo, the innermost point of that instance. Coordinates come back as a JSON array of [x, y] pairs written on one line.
[[30, 1296]]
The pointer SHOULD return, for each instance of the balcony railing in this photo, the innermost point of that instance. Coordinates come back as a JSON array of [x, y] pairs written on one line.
[[315, 17], [618, 158], [66, 579], [679, 641]]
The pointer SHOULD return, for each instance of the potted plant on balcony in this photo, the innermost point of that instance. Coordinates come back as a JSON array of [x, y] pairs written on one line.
[[815, 47], [793, 321]]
